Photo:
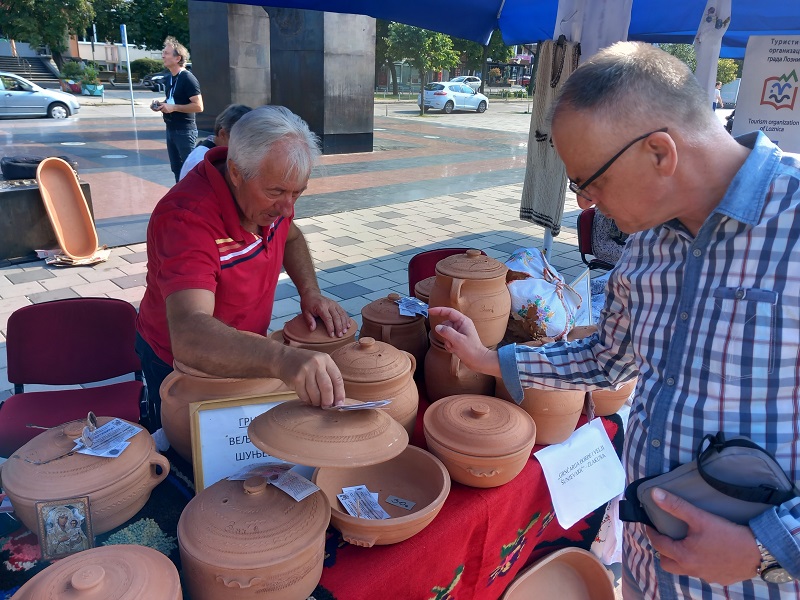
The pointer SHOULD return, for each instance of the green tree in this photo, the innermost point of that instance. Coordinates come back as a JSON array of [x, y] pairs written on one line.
[[727, 70], [383, 52], [684, 52], [46, 22], [424, 50], [109, 15], [150, 21], [472, 52]]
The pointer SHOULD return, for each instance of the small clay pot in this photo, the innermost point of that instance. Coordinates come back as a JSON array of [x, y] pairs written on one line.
[[374, 370], [446, 375], [117, 487], [381, 320], [483, 441], [119, 572], [414, 475], [422, 289], [607, 402], [297, 334]]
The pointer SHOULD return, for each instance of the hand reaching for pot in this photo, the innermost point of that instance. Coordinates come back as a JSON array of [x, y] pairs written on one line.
[[461, 338]]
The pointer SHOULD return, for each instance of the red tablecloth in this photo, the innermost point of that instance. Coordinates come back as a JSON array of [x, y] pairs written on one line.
[[471, 551]]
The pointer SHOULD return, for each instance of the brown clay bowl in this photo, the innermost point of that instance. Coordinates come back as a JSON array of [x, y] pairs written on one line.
[[414, 475], [607, 402]]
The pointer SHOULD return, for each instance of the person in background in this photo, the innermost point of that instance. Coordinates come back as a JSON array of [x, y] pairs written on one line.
[[215, 247], [222, 128], [703, 306], [718, 103], [183, 100]]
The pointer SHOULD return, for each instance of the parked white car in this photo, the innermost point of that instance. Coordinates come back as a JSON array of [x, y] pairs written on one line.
[[22, 98], [448, 96], [471, 81]]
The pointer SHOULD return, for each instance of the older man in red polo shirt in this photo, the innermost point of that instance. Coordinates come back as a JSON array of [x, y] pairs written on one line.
[[215, 247]]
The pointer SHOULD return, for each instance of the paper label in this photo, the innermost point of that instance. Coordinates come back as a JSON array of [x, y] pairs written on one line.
[[297, 486], [265, 470], [109, 440], [407, 504], [359, 502]]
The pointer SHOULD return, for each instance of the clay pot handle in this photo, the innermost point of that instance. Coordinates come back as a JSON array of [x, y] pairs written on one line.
[[234, 582], [413, 361], [169, 382], [455, 365], [361, 542], [386, 334], [158, 460], [455, 293], [482, 472]]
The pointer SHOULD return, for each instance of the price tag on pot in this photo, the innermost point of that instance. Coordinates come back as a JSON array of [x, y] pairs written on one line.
[[297, 486], [407, 504], [360, 504]]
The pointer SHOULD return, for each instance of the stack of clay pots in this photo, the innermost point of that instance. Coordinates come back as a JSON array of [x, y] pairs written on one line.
[[474, 284]]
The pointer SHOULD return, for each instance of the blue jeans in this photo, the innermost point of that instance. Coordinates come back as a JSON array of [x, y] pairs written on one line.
[[155, 371], [180, 142]]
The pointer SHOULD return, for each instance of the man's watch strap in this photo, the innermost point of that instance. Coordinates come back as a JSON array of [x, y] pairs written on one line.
[[770, 569]]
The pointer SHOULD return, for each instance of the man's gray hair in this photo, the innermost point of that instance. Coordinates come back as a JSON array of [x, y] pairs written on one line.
[[638, 84], [255, 134], [229, 117]]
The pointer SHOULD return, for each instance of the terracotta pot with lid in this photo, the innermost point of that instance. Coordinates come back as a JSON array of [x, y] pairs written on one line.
[[374, 370], [422, 289], [44, 470], [248, 539], [474, 284], [446, 375], [296, 333], [119, 572], [381, 320], [483, 441]]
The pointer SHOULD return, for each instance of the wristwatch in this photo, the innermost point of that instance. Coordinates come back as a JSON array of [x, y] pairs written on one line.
[[770, 570]]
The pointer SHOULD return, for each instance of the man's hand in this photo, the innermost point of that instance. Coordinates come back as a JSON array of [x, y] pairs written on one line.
[[714, 550], [333, 316], [166, 108], [461, 338], [313, 376]]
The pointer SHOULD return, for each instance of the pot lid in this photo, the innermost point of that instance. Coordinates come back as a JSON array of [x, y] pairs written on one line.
[[297, 330], [250, 524], [423, 288], [386, 311], [479, 425], [297, 432], [471, 265], [44, 468], [121, 572], [369, 360]]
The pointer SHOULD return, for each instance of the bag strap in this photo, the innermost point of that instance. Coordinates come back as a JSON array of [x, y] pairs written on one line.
[[764, 494]]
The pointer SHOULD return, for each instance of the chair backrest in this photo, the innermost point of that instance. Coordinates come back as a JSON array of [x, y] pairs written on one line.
[[72, 341], [423, 265], [585, 226], [598, 236]]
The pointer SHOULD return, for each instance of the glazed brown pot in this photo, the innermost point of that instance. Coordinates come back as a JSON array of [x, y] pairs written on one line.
[[474, 284], [446, 375], [374, 370], [179, 390], [483, 441], [381, 320], [297, 334], [414, 475], [119, 572], [247, 539], [117, 487]]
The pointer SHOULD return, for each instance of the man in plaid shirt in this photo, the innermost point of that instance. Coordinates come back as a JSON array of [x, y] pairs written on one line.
[[703, 306]]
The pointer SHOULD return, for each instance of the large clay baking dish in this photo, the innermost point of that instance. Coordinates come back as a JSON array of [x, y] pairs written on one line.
[[414, 475], [119, 572], [117, 487]]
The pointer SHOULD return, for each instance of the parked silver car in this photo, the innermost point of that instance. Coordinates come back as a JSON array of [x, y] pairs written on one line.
[[22, 98], [448, 96], [470, 80]]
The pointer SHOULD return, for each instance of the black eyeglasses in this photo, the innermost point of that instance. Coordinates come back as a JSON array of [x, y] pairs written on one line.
[[579, 190]]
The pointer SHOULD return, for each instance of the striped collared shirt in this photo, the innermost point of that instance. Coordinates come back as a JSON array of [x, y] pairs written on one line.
[[711, 325]]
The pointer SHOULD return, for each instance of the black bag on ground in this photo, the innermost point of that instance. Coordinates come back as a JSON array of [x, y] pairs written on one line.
[[24, 167]]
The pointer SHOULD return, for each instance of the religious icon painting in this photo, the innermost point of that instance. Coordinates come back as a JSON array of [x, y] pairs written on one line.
[[65, 527]]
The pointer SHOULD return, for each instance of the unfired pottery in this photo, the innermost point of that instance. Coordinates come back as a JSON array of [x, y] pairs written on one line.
[[568, 574], [374, 370], [117, 487], [474, 284], [308, 435], [296, 333], [607, 402], [483, 441], [422, 289], [414, 475], [446, 375], [119, 572], [381, 320], [250, 540]]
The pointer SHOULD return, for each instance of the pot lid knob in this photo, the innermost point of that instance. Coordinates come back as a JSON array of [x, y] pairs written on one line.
[[394, 296], [479, 410], [255, 485], [473, 253], [73, 429], [87, 577], [366, 342]]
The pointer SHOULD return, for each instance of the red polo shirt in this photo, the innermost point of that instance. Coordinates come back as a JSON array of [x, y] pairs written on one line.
[[196, 241]]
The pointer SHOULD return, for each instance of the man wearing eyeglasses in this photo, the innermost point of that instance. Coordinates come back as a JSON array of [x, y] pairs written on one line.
[[703, 306]]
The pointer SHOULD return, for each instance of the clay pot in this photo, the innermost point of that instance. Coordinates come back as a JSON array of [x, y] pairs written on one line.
[[474, 284], [307, 435], [445, 375], [121, 572], [607, 402], [117, 487], [580, 332], [568, 574], [422, 289], [483, 441], [375, 370], [414, 475], [381, 320], [296, 333], [247, 539], [179, 389]]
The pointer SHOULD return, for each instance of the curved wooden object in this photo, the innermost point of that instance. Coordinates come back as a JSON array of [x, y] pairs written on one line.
[[67, 208]]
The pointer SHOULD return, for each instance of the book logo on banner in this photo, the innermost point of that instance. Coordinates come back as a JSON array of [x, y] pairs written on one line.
[[780, 91]]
